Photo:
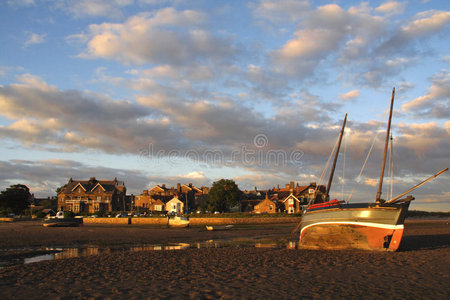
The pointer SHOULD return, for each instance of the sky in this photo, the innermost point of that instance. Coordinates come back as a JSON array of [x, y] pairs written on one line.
[[160, 92]]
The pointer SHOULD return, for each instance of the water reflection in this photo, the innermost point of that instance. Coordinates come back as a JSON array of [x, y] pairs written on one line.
[[63, 253]]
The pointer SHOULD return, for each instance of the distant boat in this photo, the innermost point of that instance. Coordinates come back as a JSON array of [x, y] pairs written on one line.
[[60, 221], [371, 226], [218, 227], [178, 221]]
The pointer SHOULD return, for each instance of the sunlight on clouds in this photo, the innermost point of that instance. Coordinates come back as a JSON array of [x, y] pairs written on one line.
[[371, 182], [391, 8], [194, 175], [350, 95], [426, 23]]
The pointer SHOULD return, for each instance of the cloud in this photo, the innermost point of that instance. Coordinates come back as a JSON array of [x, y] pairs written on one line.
[[163, 37], [17, 3], [280, 11], [391, 8], [435, 103], [43, 177], [350, 95], [95, 8], [34, 38], [421, 27]]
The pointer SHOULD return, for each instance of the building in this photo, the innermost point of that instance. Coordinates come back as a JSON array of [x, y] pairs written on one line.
[[147, 203], [294, 198], [152, 199], [92, 196], [266, 206], [175, 206]]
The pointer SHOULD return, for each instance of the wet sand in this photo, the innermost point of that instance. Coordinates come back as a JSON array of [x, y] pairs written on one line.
[[419, 271]]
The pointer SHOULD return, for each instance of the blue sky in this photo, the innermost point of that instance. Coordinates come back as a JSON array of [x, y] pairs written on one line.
[[159, 92]]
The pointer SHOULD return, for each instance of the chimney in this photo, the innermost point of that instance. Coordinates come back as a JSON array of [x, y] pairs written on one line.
[[163, 185], [178, 187], [278, 186], [291, 185]]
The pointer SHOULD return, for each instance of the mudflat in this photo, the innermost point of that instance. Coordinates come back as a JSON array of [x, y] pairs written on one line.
[[420, 270]]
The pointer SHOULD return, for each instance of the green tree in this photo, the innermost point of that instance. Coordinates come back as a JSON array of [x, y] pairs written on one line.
[[223, 195], [15, 198]]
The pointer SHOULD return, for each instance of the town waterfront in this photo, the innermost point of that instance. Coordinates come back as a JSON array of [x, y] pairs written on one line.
[[418, 270]]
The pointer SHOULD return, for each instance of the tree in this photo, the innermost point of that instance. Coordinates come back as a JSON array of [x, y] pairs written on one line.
[[223, 195], [15, 198]]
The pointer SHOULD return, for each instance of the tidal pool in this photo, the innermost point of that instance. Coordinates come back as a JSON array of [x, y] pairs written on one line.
[[10, 257]]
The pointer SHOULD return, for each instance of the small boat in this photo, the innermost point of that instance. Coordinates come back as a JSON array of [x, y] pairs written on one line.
[[337, 225], [60, 221], [218, 227], [178, 221]]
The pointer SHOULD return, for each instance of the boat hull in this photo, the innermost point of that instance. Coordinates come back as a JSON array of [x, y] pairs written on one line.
[[178, 222], [66, 222], [357, 226]]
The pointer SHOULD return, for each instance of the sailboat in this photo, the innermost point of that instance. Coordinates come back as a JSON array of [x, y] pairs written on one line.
[[338, 225]]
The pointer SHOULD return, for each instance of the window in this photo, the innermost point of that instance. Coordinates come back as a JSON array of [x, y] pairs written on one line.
[[311, 191], [76, 208], [99, 198], [270, 207]]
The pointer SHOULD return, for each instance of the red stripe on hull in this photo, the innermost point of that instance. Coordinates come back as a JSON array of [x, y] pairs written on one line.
[[350, 236]]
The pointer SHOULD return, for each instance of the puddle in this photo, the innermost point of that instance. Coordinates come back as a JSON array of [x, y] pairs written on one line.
[[55, 253]]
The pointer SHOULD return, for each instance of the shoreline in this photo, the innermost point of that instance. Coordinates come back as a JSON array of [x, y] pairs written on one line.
[[419, 270]]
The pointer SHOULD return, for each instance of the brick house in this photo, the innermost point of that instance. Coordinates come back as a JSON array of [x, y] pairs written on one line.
[[146, 202], [266, 206], [191, 196], [92, 196]]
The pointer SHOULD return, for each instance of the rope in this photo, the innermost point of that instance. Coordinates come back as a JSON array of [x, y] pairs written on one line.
[[343, 167], [367, 158], [323, 172]]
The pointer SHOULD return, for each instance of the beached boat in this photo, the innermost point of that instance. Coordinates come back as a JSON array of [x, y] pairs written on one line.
[[178, 221], [371, 226], [218, 227], [60, 221]]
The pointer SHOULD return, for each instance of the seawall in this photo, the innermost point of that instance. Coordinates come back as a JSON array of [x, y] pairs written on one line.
[[194, 221]]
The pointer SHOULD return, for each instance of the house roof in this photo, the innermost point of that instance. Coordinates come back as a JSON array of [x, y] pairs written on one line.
[[90, 185]]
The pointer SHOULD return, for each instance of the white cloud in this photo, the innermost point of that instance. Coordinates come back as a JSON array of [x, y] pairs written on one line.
[[163, 37], [391, 8], [435, 103], [350, 95], [34, 38]]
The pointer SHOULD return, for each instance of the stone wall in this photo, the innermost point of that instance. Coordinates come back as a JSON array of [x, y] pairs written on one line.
[[194, 221]]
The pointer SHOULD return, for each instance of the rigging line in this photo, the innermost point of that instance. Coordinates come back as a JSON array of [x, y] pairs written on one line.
[[323, 173], [367, 158], [343, 167], [391, 165]]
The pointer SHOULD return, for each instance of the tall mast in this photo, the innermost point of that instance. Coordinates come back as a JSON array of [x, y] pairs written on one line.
[[383, 164], [335, 157]]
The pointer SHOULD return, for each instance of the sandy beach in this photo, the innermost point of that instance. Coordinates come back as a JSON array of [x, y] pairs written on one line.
[[420, 270]]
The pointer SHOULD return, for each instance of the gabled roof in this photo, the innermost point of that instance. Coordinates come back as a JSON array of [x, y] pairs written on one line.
[[79, 184], [158, 187], [108, 186], [291, 196], [98, 184]]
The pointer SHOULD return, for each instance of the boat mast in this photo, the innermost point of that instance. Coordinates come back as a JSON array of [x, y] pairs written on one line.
[[383, 164], [335, 158]]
